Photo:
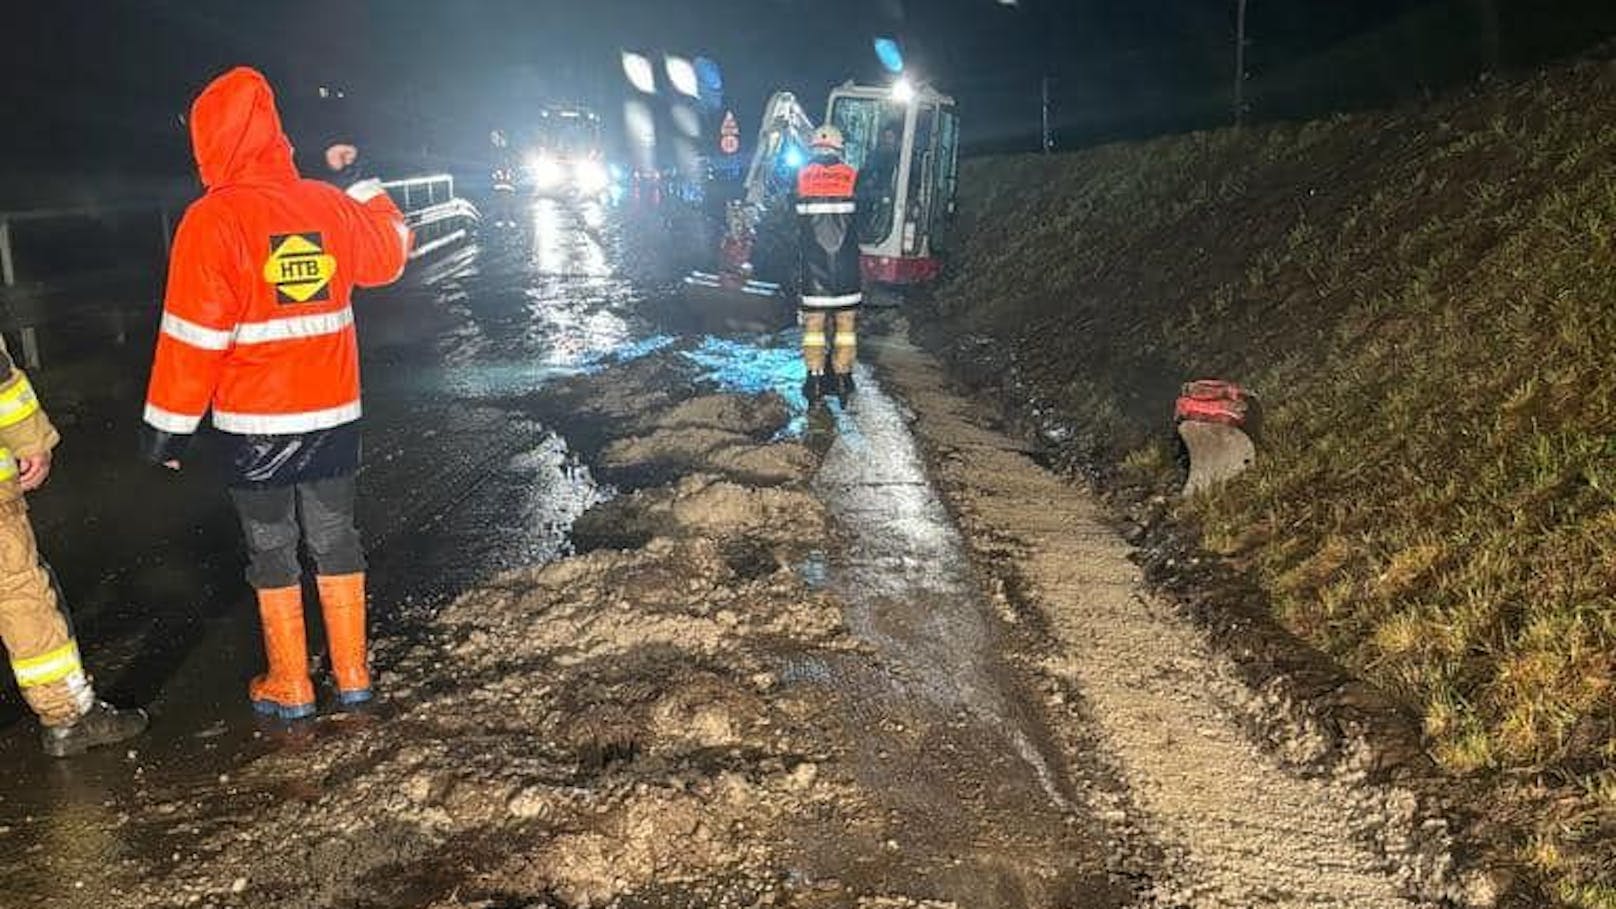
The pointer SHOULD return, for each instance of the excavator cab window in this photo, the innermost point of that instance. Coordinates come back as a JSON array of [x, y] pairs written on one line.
[[921, 170], [945, 175], [873, 131]]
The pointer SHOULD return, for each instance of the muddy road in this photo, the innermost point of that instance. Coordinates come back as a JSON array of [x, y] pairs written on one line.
[[652, 635]]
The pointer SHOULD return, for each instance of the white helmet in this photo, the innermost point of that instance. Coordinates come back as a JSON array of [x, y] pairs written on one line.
[[828, 138]]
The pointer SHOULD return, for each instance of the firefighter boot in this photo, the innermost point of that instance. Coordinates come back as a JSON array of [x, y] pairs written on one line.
[[813, 354], [844, 387], [285, 691], [102, 724], [342, 602]]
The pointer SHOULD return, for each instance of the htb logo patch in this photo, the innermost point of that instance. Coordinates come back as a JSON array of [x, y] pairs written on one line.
[[299, 268]]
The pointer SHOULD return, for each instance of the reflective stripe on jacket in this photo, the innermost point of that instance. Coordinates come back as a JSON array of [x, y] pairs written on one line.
[[827, 218]]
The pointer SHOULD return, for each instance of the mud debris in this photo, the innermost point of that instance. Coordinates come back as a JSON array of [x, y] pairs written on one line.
[[677, 715], [715, 433], [576, 732], [704, 505]]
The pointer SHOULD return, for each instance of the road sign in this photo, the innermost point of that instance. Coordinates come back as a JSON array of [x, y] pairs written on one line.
[[729, 134]]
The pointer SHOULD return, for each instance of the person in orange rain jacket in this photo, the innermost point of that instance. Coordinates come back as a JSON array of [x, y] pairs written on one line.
[[258, 327]]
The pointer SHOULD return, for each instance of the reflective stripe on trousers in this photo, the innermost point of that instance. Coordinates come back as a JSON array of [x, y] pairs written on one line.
[[50, 667], [39, 640], [846, 353], [814, 339], [817, 328]]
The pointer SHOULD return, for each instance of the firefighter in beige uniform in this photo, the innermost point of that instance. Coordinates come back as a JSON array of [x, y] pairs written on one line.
[[33, 624]]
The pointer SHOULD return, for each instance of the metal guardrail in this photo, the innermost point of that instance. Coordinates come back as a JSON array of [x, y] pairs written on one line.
[[160, 211], [427, 202], [433, 212], [418, 193], [125, 226]]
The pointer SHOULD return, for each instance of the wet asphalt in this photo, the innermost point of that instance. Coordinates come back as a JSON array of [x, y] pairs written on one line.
[[945, 738]]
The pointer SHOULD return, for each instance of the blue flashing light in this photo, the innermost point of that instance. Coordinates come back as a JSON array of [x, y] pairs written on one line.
[[890, 54], [710, 80], [793, 158]]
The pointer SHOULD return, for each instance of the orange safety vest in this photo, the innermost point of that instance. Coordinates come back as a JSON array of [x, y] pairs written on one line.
[[257, 318], [826, 181]]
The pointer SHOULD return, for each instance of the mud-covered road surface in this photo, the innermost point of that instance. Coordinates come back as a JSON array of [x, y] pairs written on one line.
[[652, 634]]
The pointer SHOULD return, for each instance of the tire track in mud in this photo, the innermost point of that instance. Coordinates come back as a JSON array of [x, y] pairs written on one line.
[[1235, 827]]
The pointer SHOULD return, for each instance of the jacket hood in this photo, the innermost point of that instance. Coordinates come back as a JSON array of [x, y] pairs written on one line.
[[236, 132]]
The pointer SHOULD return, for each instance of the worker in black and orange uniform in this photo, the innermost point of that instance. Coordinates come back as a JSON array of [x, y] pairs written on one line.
[[831, 283], [258, 327], [33, 619]]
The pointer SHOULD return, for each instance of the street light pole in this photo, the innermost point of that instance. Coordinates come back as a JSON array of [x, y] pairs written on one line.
[[1046, 13], [1240, 64], [1048, 140]]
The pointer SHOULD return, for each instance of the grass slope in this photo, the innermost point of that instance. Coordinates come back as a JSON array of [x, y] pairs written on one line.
[[1426, 300]]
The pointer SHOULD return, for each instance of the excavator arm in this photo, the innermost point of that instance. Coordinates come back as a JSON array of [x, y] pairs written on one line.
[[781, 148]]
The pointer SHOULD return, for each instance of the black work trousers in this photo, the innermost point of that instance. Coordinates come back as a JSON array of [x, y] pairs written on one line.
[[274, 519]]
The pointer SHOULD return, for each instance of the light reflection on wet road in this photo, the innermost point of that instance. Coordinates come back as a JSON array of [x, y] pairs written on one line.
[[904, 572]]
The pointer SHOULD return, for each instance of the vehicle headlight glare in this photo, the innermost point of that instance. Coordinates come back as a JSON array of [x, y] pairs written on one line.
[[591, 177], [546, 171]]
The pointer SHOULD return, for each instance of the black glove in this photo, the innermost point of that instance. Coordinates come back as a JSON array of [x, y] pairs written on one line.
[[159, 447]]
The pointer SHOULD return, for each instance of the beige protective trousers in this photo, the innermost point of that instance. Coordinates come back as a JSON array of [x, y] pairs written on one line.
[[38, 638], [817, 336], [44, 655]]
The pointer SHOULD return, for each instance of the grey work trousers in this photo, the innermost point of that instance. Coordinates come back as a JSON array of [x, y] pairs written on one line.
[[320, 513]]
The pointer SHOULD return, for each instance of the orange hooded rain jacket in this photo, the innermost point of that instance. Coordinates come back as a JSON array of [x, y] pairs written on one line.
[[258, 323]]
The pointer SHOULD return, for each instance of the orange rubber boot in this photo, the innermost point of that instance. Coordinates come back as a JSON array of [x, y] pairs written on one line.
[[342, 602], [285, 691]]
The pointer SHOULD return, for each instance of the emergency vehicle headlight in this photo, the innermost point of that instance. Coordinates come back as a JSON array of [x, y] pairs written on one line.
[[546, 171]]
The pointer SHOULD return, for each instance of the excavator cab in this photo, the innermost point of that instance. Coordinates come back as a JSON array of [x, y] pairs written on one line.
[[904, 142]]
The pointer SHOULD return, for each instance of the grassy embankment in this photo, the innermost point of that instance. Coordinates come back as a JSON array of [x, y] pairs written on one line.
[[1426, 299]]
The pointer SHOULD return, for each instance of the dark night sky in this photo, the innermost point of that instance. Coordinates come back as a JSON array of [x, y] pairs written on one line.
[[98, 87]]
